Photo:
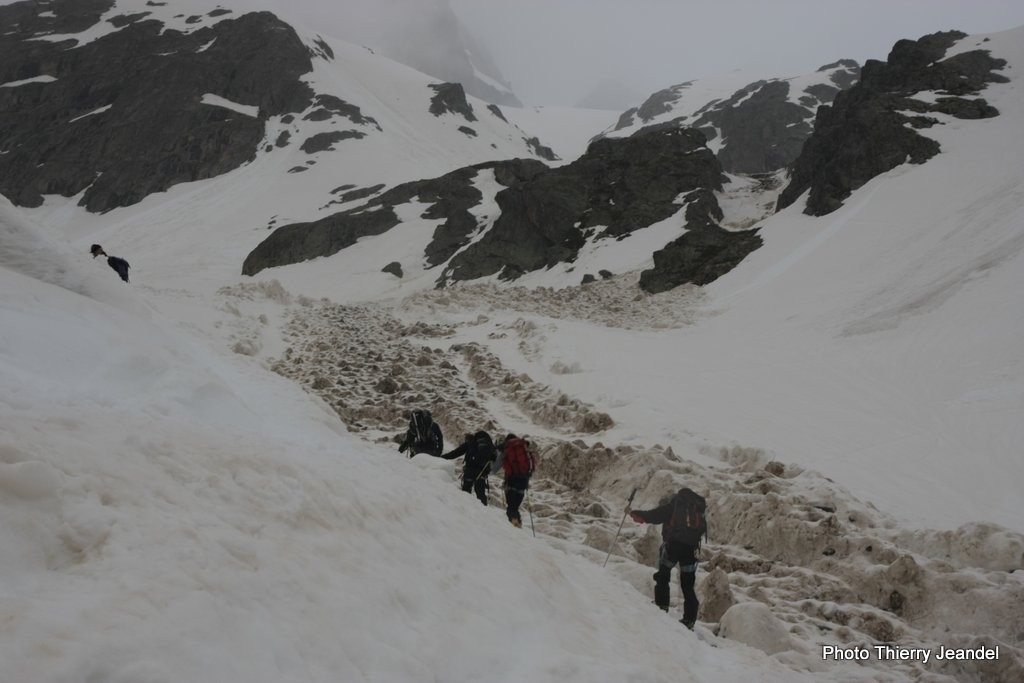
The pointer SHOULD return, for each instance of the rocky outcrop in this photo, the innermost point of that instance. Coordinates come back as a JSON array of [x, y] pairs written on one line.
[[92, 123], [760, 128], [704, 253], [324, 142], [541, 150], [450, 98], [660, 102], [329, 107], [450, 196], [496, 110], [872, 127], [547, 215], [617, 187]]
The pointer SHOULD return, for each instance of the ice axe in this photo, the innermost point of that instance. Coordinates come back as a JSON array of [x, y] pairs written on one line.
[[629, 502]]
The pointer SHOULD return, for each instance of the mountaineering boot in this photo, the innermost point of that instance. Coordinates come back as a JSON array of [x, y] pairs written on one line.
[[516, 523], [688, 624]]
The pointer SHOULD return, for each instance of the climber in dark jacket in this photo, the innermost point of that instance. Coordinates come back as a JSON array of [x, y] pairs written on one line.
[[119, 265], [423, 436], [683, 521], [480, 454]]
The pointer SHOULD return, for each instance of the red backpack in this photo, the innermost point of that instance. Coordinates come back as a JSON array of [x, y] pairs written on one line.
[[518, 460]]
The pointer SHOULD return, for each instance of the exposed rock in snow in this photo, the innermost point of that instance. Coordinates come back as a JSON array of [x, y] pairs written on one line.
[[872, 127]]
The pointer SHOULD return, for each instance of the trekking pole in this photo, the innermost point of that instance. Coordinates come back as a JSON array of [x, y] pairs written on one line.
[[484, 473], [626, 512], [529, 508]]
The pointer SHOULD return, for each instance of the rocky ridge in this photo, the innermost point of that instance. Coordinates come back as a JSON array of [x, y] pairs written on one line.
[[758, 128], [873, 127], [99, 128], [548, 215], [112, 103]]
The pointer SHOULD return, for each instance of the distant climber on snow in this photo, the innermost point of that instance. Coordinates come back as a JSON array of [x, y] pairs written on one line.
[[480, 455], [423, 436], [518, 462], [683, 521], [118, 264]]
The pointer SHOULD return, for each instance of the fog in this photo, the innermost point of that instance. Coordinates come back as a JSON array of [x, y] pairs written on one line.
[[557, 51]]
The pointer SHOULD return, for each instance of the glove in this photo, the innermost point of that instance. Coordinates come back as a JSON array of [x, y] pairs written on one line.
[[636, 518]]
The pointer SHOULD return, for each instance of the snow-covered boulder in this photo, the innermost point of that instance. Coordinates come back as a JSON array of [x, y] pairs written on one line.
[[753, 624]]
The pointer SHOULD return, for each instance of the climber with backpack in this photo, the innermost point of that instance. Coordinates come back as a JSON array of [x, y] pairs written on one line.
[[517, 460], [119, 265], [684, 523], [423, 436], [480, 455]]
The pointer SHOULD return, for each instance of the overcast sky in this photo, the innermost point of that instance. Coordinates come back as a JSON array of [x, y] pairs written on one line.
[[557, 51]]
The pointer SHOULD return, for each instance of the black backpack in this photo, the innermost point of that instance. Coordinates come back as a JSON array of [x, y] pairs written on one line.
[[689, 522], [419, 424], [484, 449], [485, 445]]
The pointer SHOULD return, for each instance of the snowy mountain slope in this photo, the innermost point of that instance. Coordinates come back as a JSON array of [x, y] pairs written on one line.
[[425, 35], [857, 385], [901, 310], [875, 347], [383, 120], [567, 129], [173, 512], [400, 139]]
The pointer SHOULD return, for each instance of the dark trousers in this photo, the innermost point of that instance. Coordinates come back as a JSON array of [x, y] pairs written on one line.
[[515, 491], [477, 484], [669, 555]]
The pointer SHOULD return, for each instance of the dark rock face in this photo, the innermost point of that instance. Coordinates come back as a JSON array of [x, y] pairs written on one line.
[[763, 130], [541, 150], [329, 107], [617, 187], [322, 142], [451, 196], [763, 125], [496, 110], [304, 241], [102, 128], [867, 131], [704, 253], [661, 102], [845, 73], [450, 98]]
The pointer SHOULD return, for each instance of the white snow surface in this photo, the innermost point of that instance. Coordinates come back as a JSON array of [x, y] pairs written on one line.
[[218, 101], [27, 81], [174, 511], [566, 130]]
